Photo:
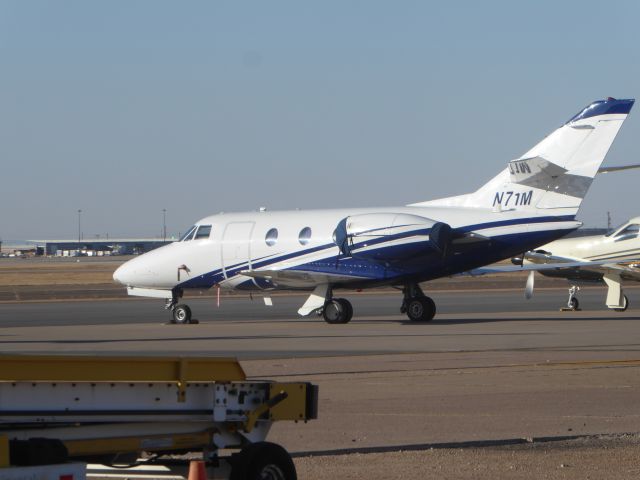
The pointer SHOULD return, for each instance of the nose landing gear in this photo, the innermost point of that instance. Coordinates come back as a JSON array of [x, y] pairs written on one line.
[[573, 304], [180, 312]]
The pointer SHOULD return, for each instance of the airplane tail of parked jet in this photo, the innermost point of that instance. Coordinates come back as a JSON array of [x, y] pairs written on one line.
[[554, 175]]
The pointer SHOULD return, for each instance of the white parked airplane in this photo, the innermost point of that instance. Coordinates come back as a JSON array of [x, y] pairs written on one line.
[[533, 201], [607, 259]]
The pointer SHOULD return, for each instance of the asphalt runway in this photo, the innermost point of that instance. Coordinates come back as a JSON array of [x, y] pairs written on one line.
[[491, 366], [466, 321], [242, 308]]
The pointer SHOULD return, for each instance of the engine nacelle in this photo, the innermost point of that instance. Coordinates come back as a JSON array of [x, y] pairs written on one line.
[[391, 236]]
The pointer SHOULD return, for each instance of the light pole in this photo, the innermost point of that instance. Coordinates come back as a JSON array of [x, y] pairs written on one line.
[[164, 225], [79, 229]]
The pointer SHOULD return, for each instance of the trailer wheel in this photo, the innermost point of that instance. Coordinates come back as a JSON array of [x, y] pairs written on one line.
[[263, 461]]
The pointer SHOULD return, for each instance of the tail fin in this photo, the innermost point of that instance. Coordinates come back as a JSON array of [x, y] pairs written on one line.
[[558, 171]]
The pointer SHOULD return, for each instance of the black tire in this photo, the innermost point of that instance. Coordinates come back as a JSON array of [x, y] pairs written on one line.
[[181, 314], [421, 309], [626, 305], [263, 461], [574, 304], [348, 309], [335, 312]]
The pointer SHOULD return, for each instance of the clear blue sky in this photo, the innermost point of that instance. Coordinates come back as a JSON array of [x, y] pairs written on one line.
[[123, 108]]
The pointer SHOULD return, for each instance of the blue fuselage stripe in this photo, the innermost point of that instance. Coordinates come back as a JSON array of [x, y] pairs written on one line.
[[502, 246]]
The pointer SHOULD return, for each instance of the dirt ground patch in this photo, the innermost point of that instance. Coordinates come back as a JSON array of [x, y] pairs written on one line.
[[45, 273], [62, 279], [603, 457]]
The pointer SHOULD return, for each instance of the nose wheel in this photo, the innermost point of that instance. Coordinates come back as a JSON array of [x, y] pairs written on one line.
[[573, 304], [181, 314]]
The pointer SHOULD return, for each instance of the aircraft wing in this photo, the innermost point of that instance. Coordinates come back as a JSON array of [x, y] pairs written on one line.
[[604, 266], [610, 272], [298, 278], [628, 269]]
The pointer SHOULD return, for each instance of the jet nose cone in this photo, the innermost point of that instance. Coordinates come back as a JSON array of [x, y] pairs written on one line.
[[141, 272], [122, 274]]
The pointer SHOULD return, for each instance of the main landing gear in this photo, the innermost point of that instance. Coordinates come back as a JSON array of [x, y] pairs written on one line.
[[180, 312], [337, 310], [574, 305], [626, 305], [417, 306]]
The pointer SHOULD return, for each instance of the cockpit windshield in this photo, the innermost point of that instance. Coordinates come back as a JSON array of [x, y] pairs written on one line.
[[187, 236], [203, 232], [614, 230], [630, 231]]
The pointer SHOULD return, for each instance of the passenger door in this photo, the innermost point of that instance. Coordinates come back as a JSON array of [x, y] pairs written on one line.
[[236, 251]]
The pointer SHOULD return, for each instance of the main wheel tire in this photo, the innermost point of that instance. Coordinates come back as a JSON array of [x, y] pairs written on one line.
[[336, 311], [421, 309], [626, 305], [574, 304], [348, 308], [181, 314], [263, 461]]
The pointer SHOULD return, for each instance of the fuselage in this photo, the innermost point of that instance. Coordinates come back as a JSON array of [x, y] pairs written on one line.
[[620, 245], [304, 241], [609, 259], [531, 202]]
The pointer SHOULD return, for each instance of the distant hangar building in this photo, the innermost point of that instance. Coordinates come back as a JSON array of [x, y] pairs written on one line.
[[98, 247]]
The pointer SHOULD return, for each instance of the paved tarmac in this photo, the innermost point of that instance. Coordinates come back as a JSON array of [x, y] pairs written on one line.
[[492, 366], [242, 308], [467, 321]]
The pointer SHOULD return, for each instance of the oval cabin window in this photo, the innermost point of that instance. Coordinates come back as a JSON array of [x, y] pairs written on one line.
[[272, 237], [304, 236]]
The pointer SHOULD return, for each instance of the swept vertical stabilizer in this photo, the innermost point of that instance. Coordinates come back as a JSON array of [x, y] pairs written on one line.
[[558, 171]]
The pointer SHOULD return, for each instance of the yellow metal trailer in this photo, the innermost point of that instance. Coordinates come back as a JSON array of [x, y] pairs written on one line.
[[114, 409]]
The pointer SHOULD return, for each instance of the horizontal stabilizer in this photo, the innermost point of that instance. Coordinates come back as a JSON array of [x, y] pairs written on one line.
[[525, 171], [542, 174], [618, 169]]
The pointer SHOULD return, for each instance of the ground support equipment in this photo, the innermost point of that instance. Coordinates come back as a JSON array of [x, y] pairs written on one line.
[[109, 410]]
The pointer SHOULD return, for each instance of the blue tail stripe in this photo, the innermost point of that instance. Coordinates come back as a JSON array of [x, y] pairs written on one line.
[[604, 107]]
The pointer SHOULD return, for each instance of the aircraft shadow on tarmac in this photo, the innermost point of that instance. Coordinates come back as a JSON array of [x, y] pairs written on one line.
[[470, 321], [570, 316], [427, 334]]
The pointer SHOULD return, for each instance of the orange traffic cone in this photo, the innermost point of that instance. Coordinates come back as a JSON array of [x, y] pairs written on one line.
[[197, 470]]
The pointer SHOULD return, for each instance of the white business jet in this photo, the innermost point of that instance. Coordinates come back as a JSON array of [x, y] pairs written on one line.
[[607, 259], [533, 201]]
